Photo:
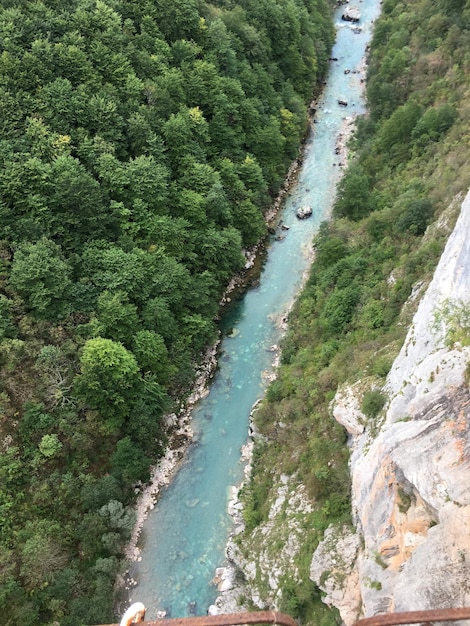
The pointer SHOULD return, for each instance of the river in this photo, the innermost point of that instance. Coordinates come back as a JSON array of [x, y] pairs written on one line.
[[184, 536]]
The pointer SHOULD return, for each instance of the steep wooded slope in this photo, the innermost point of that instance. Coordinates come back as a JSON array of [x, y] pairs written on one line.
[[141, 143]]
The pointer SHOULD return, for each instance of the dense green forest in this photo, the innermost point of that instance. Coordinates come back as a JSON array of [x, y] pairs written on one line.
[[141, 144], [409, 163]]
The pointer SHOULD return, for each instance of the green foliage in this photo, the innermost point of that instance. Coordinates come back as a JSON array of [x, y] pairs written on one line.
[[405, 500], [152, 354], [416, 216], [433, 124], [381, 366], [141, 144], [42, 555], [50, 446], [129, 464], [41, 276], [353, 199], [338, 309], [7, 328], [395, 134], [372, 403], [329, 249], [108, 380], [116, 318], [455, 316]]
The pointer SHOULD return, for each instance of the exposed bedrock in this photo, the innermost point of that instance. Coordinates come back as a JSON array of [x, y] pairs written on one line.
[[410, 469]]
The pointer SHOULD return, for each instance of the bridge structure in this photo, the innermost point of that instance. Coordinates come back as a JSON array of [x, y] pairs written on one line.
[[425, 618]]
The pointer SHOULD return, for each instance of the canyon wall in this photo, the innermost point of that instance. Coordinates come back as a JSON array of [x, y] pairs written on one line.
[[409, 548]]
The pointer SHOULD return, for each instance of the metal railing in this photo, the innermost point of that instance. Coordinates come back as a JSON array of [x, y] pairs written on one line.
[[230, 619], [280, 619], [416, 617]]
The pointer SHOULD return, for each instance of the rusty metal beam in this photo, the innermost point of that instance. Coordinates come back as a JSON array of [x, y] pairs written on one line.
[[231, 619], [273, 617], [416, 617]]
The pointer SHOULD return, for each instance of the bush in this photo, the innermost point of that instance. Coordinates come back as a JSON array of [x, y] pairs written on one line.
[[382, 366], [353, 194], [372, 403], [416, 216]]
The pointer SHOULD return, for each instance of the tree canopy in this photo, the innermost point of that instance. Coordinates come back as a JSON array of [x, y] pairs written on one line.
[[141, 144]]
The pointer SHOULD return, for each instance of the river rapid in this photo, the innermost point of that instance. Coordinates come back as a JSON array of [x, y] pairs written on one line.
[[184, 537]]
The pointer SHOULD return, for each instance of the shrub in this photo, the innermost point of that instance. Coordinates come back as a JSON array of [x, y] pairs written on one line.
[[372, 403]]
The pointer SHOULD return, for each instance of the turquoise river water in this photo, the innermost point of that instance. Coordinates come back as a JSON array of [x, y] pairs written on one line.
[[184, 537]]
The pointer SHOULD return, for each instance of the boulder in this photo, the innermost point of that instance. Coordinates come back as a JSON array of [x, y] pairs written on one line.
[[351, 14], [303, 212]]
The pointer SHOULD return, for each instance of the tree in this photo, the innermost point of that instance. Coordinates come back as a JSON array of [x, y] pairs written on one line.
[[433, 123], [353, 199], [186, 134], [339, 308], [77, 203], [251, 174], [158, 317], [50, 446], [108, 381], [395, 135], [267, 143], [147, 180], [43, 553], [117, 317], [416, 216], [7, 328], [249, 220], [129, 463], [178, 19], [109, 267], [151, 354], [41, 276]]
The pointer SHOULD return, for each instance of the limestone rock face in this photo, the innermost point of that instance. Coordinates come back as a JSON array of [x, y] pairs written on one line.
[[347, 412], [410, 472], [254, 577], [332, 568]]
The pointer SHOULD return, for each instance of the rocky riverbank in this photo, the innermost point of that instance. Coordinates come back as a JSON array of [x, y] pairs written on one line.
[[180, 434], [236, 581]]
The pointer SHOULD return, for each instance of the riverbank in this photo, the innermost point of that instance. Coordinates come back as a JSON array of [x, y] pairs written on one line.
[[171, 560], [178, 425], [234, 591], [180, 435]]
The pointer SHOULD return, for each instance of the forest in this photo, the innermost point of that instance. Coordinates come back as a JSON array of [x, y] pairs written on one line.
[[408, 173], [141, 144]]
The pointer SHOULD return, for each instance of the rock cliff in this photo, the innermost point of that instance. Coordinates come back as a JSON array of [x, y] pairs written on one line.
[[410, 467]]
